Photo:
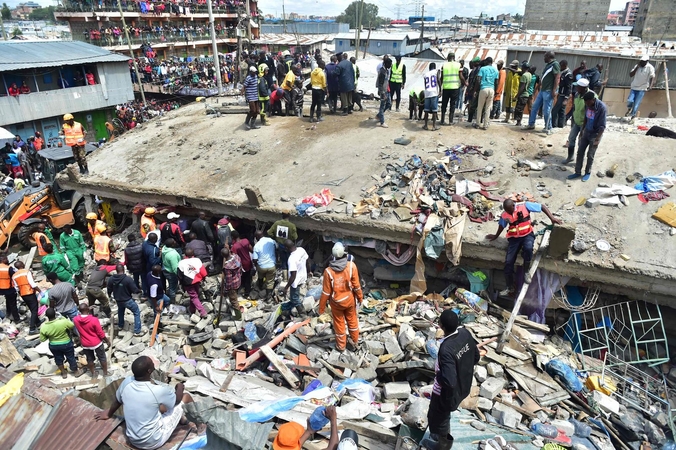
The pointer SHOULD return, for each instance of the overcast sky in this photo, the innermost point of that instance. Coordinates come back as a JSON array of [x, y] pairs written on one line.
[[387, 8]]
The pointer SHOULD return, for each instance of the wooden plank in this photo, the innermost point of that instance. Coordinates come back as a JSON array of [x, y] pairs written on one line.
[[528, 402], [280, 366], [8, 353], [367, 429], [155, 325], [226, 383], [331, 369]]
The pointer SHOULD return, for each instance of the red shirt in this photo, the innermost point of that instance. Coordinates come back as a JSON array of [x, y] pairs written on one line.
[[14, 92], [241, 249], [89, 327]]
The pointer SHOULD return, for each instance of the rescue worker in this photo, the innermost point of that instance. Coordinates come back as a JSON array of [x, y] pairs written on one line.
[[57, 263], [451, 79], [397, 80], [148, 221], [72, 244], [103, 247], [263, 92], [511, 88], [341, 285], [25, 285], [94, 225], [516, 218], [75, 133], [7, 290], [41, 239], [454, 368], [416, 100]]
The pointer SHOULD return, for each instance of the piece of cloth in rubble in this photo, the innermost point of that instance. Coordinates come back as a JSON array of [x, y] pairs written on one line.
[[225, 429], [660, 132], [454, 227], [540, 293], [653, 196], [434, 242], [659, 182]]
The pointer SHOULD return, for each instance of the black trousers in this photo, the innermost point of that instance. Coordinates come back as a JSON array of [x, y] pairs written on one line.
[[10, 302], [395, 88], [317, 100], [559, 112], [449, 95], [438, 418], [333, 100], [32, 303]]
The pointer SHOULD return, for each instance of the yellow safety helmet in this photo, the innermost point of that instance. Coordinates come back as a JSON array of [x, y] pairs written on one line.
[[261, 68], [150, 211], [68, 117], [92, 216]]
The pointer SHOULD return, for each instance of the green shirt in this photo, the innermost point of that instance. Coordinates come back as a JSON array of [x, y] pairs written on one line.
[[55, 262], [56, 331], [170, 259], [72, 242], [579, 108], [526, 78], [283, 230], [549, 76]]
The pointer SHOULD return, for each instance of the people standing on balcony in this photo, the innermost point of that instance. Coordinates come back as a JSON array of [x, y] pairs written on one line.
[[13, 90]]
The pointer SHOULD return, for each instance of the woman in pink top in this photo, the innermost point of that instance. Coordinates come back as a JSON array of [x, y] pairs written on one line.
[[92, 338]]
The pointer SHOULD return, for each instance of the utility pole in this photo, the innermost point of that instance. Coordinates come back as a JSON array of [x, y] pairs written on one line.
[[131, 52], [422, 28], [2, 28], [368, 41], [360, 17], [248, 23], [217, 62], [283, 17]]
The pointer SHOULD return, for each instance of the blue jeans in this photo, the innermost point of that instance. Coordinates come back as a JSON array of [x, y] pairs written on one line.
[[634, 100], [166, 303], [64, 351], [525, 244], [71, 314], [294, 299], [385, 104], [133, 307], [544, 100], [172, 284]]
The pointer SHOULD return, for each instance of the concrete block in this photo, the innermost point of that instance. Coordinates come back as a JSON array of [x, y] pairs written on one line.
[[325, 378], [397, 390], [495, 370], [560, 240], [375, 347], [309, 303], [480, 373], [366, 373], [393, 348], [253, 315], [565, 427], [484, 404], [406, 335], [506, 415], [48, 368], [135, 349], [605, 402], [31, 355], [387, 407], [208, 306], [195, 318], [201, 325], [219, 344], [313, 352], [188, 370], [491, 387]]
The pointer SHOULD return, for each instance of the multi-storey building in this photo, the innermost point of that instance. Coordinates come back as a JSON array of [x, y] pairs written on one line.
[[171, 28], [571, 15], [656, 21], [630, 12]]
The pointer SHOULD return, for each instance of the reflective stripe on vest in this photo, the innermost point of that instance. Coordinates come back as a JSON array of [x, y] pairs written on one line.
[[348, 295], [21, 280], [101, 248], [518, 226], [38, 241], [397, 72], [147, 224], [73, 134], [5, 280], [451, 74]]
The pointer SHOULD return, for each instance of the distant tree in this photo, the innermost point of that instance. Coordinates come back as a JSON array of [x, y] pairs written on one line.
[[6, 13], [43, 14], [370, 15], [517, 18], [16, 32]]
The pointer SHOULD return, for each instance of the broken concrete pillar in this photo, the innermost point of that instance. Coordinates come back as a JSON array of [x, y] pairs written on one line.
[[560, 239], [506, 415], [397, 390], [491, 387]]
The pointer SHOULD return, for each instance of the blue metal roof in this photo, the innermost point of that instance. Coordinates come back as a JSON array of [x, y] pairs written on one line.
[[17, 55]]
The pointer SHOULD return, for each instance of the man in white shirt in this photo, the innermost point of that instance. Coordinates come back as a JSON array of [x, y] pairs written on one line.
[[299, 267], [153, 410], [431, 96], [643, 75]]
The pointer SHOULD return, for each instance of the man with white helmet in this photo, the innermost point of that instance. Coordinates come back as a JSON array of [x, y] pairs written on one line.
[[342, 287], [75, 134]]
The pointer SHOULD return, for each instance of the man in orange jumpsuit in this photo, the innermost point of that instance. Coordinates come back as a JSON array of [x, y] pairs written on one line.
[[341, 285]]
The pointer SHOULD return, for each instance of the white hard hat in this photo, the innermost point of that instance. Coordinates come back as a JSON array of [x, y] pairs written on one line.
[[338, 250]]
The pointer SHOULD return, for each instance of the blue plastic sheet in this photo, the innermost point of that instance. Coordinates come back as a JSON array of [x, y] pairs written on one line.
[[264, 411], [557, 368], [662, 181]]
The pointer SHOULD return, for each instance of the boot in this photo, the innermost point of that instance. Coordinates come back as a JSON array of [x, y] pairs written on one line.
[[253, 124], [86, 169], [444, 443], [507, 114], [571, 152], [263, 121], [247, 122]]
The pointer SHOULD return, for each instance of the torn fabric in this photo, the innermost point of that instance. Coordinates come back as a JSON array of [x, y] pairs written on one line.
[[540, 293]]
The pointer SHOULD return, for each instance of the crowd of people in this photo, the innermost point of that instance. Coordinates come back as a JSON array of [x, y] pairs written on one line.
[[168, 32], [175, 74], [157, 7], [133, 113]]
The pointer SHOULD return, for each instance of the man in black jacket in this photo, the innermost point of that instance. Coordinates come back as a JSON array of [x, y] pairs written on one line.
[[458, 354], [122, 287], [204, 231], [133, 259]]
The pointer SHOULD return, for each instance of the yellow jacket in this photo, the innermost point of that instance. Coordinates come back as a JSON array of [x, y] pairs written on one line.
[[318, 79]]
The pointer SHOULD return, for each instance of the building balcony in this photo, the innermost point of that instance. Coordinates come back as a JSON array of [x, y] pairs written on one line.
[[41, 105], [158, 10], [119, 44]]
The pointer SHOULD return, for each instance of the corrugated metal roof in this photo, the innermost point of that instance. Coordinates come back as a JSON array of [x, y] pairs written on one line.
[[28, 55], [291, 39], [375, 36], [21, 418]]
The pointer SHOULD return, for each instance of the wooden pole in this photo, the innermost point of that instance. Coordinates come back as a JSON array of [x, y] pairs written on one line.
[[368, 41], [666, 87], [156, 325], [522, 294], [422, 28]]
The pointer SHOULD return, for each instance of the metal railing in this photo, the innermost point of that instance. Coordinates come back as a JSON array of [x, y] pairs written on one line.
[[149, 38], [144, 7]]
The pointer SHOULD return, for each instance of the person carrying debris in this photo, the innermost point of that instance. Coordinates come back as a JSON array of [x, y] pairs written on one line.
[[516, 218], [190, 273], [121, 287], [152, 409], [454, 368], [341, 285]]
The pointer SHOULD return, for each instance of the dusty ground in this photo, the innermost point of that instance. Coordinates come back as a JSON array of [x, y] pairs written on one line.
[[199, 157]]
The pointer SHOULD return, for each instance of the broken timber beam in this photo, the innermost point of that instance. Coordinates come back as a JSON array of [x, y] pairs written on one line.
[[522, 294], [243, 364], [281, 368]]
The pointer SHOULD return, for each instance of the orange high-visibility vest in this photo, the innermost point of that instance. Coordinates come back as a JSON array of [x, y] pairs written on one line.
[[147, 225], [38, 241], [21, 280], [519, 221], [101, 248], [74, 135], [98, 228], [5, 279]]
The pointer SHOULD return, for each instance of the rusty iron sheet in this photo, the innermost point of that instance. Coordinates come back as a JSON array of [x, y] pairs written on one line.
[[21, 419], [118, 439], [72, 425]]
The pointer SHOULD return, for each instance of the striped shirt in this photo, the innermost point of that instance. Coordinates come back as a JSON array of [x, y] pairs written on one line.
[[251, 88], [436, 388]]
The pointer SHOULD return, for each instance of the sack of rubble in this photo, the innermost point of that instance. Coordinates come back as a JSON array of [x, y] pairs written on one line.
[[414, 412]]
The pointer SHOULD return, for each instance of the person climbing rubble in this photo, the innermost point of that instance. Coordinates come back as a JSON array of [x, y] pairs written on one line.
[[341, 285], [516, 218]]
